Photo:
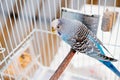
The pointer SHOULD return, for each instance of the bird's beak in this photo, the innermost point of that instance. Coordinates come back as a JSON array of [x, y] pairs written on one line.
[[53, 30]]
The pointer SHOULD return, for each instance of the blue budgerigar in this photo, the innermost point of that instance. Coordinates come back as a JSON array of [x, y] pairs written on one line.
[[81, 39]]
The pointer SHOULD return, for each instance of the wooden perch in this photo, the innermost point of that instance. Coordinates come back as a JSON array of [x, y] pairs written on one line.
[[63, 65]]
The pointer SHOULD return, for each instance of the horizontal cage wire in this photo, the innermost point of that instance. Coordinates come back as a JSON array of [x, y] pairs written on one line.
[[30, 51]]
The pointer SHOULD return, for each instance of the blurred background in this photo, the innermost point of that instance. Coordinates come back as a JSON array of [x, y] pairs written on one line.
[[29, 51]]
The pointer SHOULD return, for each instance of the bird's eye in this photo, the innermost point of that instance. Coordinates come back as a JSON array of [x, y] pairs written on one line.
[[58, 27]]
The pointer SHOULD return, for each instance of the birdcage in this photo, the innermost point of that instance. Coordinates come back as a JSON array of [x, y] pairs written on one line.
[[30, 51]]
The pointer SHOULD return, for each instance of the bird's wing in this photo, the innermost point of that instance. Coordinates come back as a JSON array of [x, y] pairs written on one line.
[[98, 41], [84, 45]]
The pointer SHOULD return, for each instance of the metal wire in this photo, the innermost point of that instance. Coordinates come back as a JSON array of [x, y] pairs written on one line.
[[32, 24]]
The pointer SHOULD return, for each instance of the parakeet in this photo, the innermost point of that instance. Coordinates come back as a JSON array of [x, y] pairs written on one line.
[[81, 39]]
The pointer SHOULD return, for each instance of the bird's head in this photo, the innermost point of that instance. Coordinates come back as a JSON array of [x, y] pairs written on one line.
[[56, 26], [65, 28]]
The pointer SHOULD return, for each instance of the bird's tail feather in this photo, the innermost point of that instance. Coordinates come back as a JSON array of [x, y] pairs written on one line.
[[111, 67]]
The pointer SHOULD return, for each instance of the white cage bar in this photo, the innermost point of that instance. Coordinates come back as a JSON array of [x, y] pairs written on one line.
[[30, 51]]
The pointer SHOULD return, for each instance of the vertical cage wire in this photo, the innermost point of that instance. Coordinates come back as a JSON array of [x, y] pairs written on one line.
[[32, 24], [46, 27], [15, 22], [49, 8], [118, 29], [5, 61], [39, 13]]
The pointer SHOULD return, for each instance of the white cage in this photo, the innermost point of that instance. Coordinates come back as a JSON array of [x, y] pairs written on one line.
[[29, 51]]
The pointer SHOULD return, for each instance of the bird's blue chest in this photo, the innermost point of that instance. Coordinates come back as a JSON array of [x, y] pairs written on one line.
[[65, 38]]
